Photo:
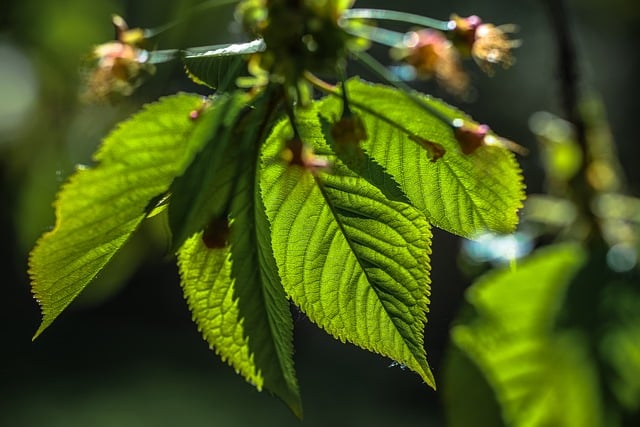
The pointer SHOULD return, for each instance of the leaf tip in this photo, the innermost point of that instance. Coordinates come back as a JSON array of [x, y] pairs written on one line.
[[429, 379], [424, 371], [296, 407], [38, 333], [46, 322]]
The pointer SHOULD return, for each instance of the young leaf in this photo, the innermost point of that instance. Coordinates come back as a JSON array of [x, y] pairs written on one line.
[[99, 207], [465, 194], [541, 376], [354, 261], [235, 293], [219, 66], [215, 72]]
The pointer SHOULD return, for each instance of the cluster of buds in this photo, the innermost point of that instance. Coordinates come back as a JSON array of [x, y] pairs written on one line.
[[301, 35], [120, 65], [487, 44], [435, 53], [432, 54]]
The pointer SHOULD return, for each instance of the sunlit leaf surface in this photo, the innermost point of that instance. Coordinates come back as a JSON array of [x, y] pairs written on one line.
[[354, 261], [230, 277], [463, 194], [99, 207]]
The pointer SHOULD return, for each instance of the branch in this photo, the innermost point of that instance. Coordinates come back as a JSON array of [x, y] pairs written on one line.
[[569, 76]]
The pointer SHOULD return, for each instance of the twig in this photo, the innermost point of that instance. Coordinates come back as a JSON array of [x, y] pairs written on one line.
[[571, 98], [568, 69]]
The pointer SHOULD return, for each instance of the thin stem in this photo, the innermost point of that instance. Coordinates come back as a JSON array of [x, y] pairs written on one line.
[[289, 110], [568, 71], [216, 50], [392, 15], [569, 80], [163, 55], [320, 84], [334, 91], [375, 34], [346, 109]]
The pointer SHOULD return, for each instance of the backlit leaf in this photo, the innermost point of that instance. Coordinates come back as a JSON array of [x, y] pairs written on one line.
[[209, 290], [465, 194], [100, 207], [204, 190], [218, 66], [354, 261], [234, 292]]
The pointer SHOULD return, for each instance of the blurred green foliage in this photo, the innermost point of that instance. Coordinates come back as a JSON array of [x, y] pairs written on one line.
[[157, 372]]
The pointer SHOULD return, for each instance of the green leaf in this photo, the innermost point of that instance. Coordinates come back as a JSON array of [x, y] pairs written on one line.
[[363, 165], [463, 194], [235, 293], [262, 298], [354, 261], [100, 207], [209, 290], [239, 327], [541, 376], [204, 190], [219, 66]]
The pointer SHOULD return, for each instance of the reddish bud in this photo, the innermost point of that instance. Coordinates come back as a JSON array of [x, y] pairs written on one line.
[[464, 32], [347, 134], [216, 233], [470, 136], [487, 44], [195, 114]]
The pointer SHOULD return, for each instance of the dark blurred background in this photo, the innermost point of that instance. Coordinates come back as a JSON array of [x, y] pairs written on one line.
[[126, 353]]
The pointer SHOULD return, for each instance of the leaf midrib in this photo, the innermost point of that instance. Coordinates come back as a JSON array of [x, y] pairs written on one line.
[[374, 286]]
